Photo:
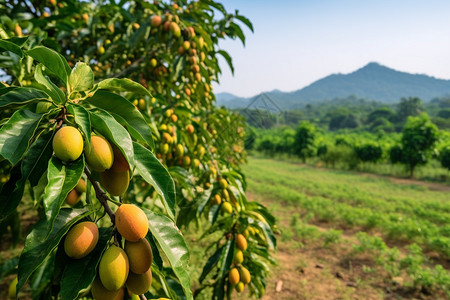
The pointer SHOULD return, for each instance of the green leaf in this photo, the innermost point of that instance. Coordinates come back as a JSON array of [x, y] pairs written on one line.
[[16, 134], [20, 96], [32, 167], [61, 180], [80, 273], [172, 244], [40, 243], [82, 119], [179, 64], [122, 85], [107, 126], [4, 44], [51, 89], [225, 262], [228, 59], [9, 266], [116, 104], [81, 78], [52, 60], [212, 261], [152, 171], [245, 21]]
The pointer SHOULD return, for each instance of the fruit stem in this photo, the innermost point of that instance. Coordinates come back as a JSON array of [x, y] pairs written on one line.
[[142, 297], [60, 118], [101, 195]]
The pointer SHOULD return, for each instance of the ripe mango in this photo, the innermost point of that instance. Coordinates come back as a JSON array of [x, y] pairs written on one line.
[[223, 183], [113, 268], [241, 242], [115, 183], [140, 255], [81, 186], [131, 222], [139, 283], [226, 207], [238, 256], [120, 163], [217, 199], [68, 143], [73, 197], [240, 287], [81, 240], [156, 21], [244, 274], [101, 156], [233, 276], [99, 292], [175, 29]]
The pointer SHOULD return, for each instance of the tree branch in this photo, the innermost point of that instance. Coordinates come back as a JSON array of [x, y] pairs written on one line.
[[101, 195], [142, 297]]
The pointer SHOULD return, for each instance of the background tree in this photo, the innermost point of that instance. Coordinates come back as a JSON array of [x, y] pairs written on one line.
[[304, 140], [411, 106]]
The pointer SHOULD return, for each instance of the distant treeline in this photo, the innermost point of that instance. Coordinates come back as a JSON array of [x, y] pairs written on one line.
[[352, 113]]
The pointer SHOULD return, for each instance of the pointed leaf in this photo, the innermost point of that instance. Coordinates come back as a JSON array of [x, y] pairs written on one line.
[[81, 77], [212, 261], [16, 134], [225, 262], [40, 243], [80, 273], [82, 119], [7, 45], [52, 60], [61, 180], [20, 96], [114, 103], [50, 88], [152, 171], [228, 59], [107, 126], [172, 244], [122, 85]]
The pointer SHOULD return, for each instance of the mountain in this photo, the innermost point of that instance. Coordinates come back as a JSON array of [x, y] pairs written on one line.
[[373, 82]]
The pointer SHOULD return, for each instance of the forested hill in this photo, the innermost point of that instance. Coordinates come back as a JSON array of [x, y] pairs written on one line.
[[372, 82]]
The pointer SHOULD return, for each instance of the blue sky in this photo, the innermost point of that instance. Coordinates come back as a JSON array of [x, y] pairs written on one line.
[[297, 42]]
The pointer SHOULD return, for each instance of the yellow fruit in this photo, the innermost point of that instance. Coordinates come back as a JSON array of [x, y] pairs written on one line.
[[81, 240], [217, 200], [101, 50], [73, 197], [223, 183], [136, 26], [174, 118], [225, 194], [186, 45], [115, 183], [68, 143], [180, 150], [81, 186], [233, 276], [156, 21], [190, 129], [131, 222], [153, 62], [85, 17], [99, 292], [12, 288], [238, 256], [142, 104], [241, 242], [244, 274], [113, 268], [164, 148], [139, 283], [120, 163], [240, 287], [246, 233], [226, 207], [195, 163], [186, 161], [175, 29], [101, 156], [140, 255]]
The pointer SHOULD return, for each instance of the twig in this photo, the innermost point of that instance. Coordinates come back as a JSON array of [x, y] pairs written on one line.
[[101, 195], [142, 297], [60, 118]]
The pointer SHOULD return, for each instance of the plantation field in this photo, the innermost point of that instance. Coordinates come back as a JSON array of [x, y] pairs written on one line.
[[345, 235]]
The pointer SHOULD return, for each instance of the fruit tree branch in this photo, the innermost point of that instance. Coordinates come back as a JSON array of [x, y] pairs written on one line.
[[142, 297], [101, 195]]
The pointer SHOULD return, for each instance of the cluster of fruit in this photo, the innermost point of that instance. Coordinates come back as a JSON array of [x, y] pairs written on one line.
[[239, 276]]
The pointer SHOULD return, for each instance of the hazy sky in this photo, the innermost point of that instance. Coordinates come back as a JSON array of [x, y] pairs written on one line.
[[297, 42]]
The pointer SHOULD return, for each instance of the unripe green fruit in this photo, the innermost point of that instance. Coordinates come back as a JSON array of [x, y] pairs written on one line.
[[68, 143], [233, 276], [140, 255], [139, 283], [12, 288], [238, 256], [43, 107], [244, 274], [226, 207], [240, 287], [101, 155], [99, 292], [113, 268], [131, 222], [81, 240], [115, 183], [241, 242], [223, 183]]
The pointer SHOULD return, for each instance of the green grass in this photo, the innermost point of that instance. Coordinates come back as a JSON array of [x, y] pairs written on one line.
[[386, 213]]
